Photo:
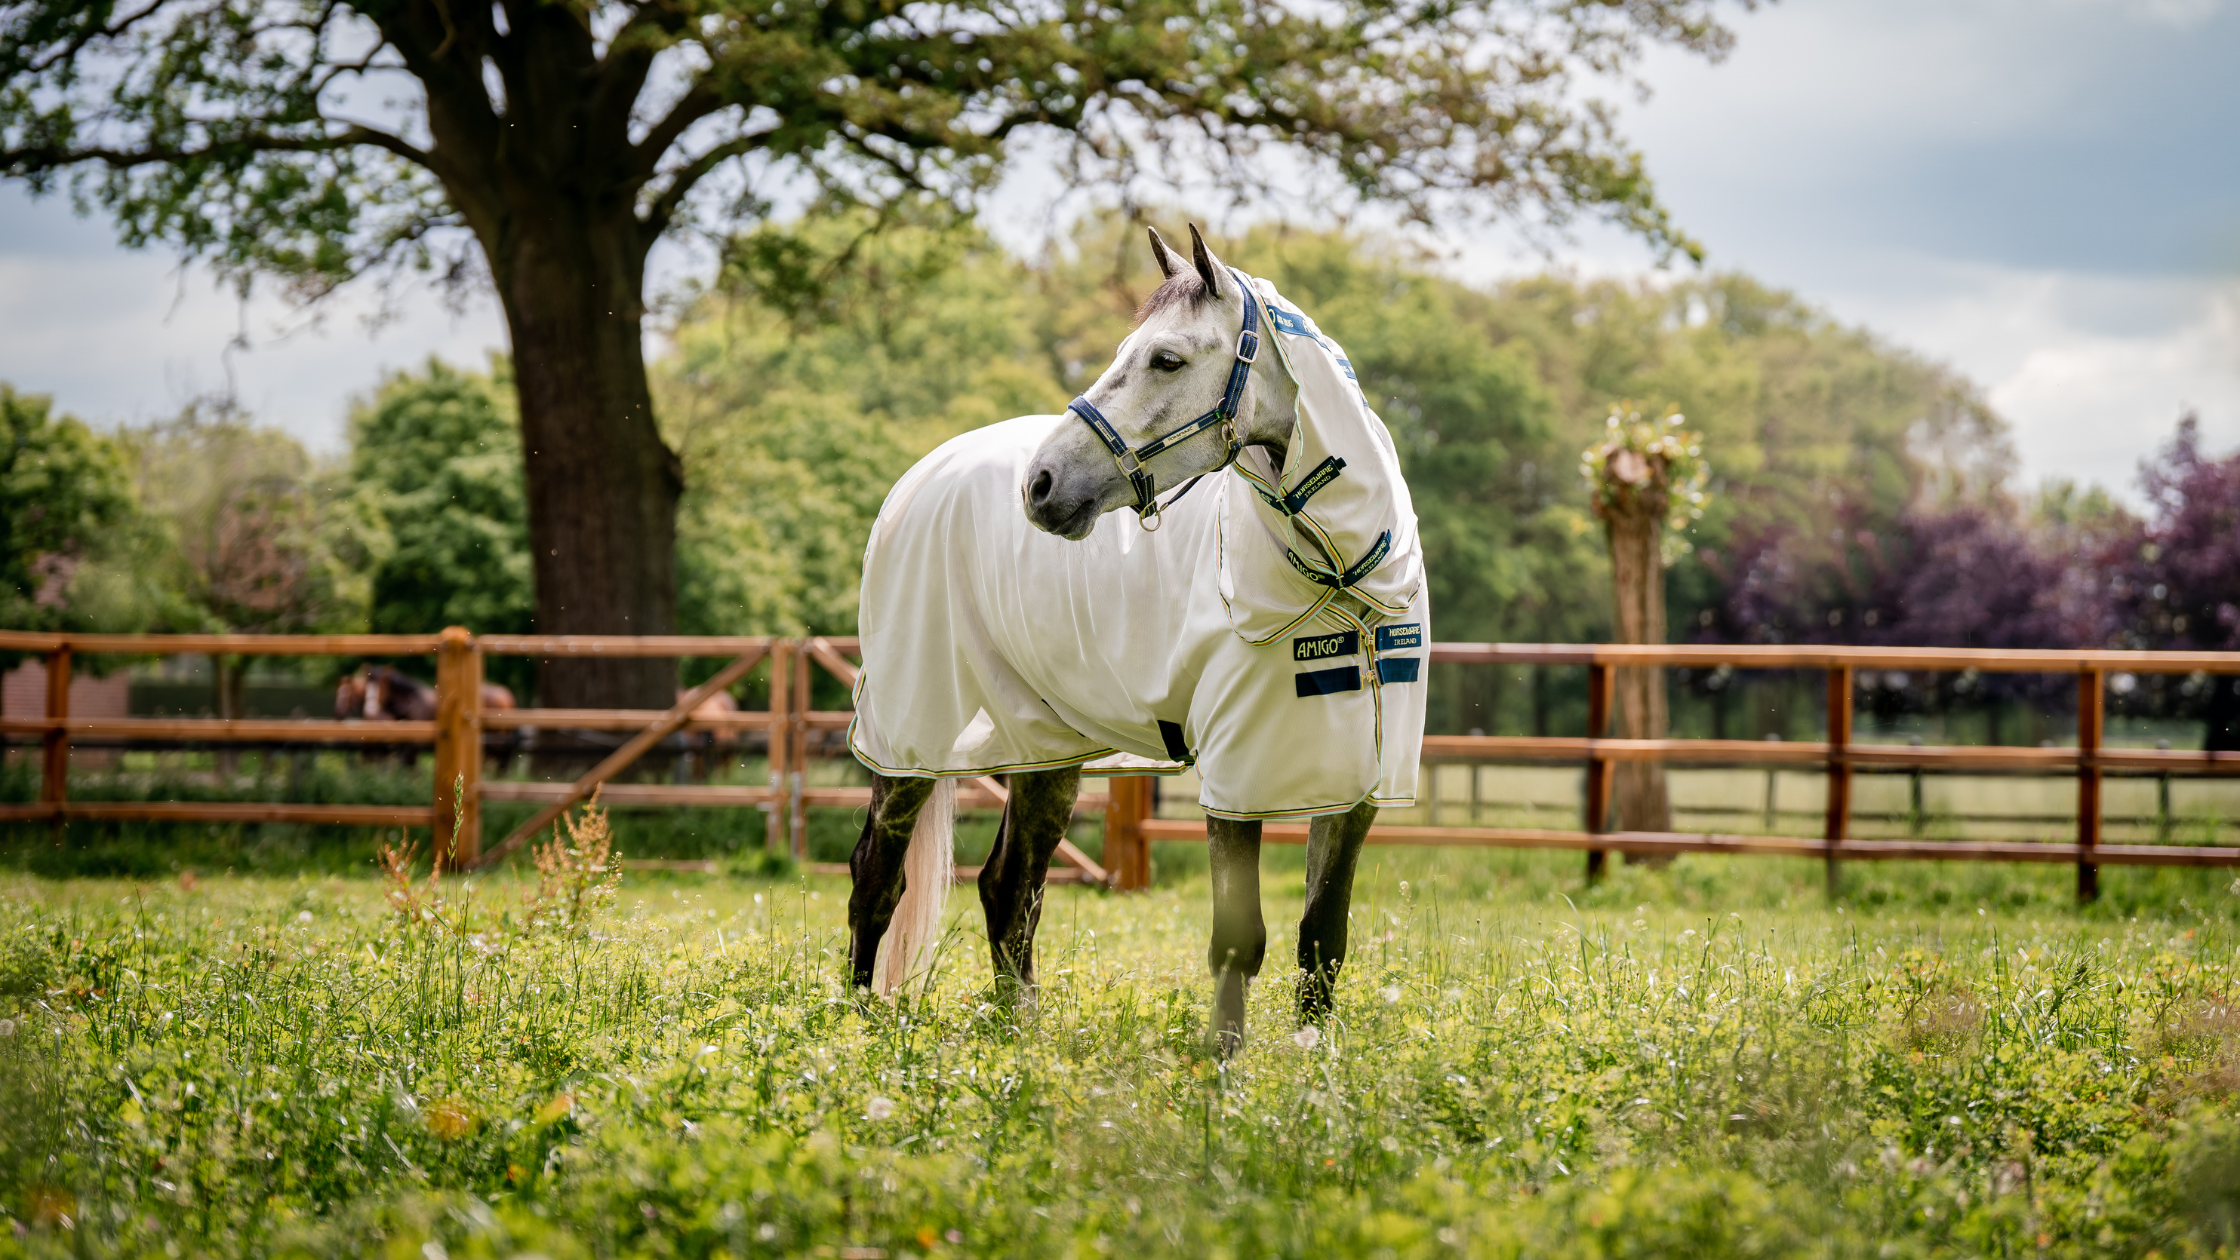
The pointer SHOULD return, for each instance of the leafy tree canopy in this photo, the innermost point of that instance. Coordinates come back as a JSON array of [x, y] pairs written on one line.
[[318, 139], [261, 540], [439, 453], [75, 550]]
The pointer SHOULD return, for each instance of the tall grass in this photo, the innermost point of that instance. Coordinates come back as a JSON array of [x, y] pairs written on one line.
[[1706, 1060]]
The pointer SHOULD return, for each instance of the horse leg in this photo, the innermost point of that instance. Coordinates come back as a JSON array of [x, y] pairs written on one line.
[[1333, 849], [1011, 880], [876, 867], [1240, 935]]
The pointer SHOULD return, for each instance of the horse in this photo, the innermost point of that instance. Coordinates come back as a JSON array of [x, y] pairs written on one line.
[[383, 693], [1263, 619]]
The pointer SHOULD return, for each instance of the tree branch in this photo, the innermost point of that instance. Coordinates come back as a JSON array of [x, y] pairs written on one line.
[[697, 103], [630, 56], [664, 208], [52, 157], [76, 44]]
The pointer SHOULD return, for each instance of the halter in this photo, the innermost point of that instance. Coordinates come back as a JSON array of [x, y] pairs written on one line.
[[1224, 414]]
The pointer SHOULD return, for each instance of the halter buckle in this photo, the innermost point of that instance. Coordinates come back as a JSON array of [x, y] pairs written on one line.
[[1248, 346]]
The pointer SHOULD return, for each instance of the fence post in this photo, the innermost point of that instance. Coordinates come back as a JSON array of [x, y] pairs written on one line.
[[798, 718], [54, 776], [2091, 710], [1599, 771], [781, 739], [458, 759], [1839, 770], [1126, 854]]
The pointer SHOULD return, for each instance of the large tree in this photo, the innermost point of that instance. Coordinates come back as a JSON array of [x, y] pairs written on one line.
[[552, 143]]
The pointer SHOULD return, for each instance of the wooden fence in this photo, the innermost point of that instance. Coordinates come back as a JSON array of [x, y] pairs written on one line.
[[789, 724]]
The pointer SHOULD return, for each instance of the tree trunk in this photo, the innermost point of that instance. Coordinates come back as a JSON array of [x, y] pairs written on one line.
[[1637, 573], [602, 486]]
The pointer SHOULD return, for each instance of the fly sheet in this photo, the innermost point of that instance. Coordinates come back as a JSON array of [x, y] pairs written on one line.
[[1271, 632]]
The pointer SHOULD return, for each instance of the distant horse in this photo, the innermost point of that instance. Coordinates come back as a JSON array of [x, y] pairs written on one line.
[[383, 693], [1271, 632]]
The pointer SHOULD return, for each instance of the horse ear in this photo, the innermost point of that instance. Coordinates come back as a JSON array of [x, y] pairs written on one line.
[[1209, 268], [1169, 261]]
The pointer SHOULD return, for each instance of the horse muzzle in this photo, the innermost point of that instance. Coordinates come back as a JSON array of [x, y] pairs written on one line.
[[1056, 503]]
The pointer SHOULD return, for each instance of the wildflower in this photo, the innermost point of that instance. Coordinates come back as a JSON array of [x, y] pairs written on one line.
[[1307, 1038], [7, 1028], [1390, 993], [879, 1108], [451, 1119], [304, 917]]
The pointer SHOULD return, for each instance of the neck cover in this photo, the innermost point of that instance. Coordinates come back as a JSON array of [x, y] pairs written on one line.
[[1336, 520]]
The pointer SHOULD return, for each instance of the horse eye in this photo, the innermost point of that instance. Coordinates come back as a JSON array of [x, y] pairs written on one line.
[[1166, 361]]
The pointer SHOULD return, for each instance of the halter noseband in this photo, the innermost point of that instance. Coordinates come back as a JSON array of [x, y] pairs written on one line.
[[1224, 413]]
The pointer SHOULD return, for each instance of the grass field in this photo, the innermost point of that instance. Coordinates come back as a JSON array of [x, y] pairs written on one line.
[[1699, 1061]]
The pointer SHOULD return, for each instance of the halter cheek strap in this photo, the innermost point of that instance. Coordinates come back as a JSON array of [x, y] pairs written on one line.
[[1224, 413]]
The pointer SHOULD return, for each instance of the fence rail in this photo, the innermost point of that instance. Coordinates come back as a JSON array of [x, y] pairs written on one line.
[[456, 736]]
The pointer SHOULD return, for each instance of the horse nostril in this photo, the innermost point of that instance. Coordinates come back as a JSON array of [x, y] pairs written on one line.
[[1038, 490]]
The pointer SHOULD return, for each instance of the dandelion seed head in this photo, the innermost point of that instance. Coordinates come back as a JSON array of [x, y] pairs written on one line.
[[879, 1108], [1307, 1038]]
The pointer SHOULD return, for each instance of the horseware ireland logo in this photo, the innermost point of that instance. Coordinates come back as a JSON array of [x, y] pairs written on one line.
[[1323, 646], [1400, 638]]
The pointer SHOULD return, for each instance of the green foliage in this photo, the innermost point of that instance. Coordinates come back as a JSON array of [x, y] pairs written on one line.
[[793, 414], [75, 551], [439, 452], [1704, 1061], [261, 539], [1650, 467], [1803, 414]]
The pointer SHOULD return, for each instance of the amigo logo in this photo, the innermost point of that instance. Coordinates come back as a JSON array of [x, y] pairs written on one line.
[[1322, 647], [1400, 638]]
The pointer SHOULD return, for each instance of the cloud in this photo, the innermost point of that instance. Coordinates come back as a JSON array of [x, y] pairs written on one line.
[[120, 336]]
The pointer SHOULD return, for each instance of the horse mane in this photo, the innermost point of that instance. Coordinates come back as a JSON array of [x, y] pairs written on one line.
[[1184, 287]]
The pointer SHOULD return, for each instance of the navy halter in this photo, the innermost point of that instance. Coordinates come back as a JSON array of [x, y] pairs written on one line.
[[1224, 413]]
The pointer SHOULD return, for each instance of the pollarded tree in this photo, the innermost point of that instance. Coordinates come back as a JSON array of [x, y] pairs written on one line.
[[553, 142], [1644, 478]]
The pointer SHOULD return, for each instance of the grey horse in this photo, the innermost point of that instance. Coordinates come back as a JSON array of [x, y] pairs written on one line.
[[1129, 442]]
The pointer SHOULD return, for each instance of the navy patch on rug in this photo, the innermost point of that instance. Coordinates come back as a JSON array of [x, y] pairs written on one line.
[[1400, 638], [1328, 682], [1398, 669]]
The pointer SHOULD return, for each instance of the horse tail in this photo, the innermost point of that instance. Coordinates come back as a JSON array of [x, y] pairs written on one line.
[[929, 865]]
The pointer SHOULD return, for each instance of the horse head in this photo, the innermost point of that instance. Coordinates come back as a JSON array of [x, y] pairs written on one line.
[[350, 696], [1186, 390]]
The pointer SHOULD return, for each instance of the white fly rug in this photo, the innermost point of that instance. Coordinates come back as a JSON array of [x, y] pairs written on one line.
[[1272, 631]]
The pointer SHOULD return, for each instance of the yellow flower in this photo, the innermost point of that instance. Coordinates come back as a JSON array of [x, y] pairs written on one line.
[[451, 1119]]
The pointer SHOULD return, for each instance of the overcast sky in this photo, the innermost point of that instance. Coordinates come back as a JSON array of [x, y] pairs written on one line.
[[2043, 193]]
